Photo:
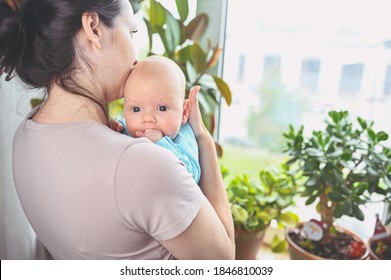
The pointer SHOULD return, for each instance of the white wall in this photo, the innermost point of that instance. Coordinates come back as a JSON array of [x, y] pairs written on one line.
[[17, 239]]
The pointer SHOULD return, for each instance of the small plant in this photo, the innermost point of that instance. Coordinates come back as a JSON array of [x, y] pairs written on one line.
[[255, 204], [340, 167]]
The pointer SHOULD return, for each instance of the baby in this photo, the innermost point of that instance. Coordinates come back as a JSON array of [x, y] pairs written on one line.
[[155, 107]]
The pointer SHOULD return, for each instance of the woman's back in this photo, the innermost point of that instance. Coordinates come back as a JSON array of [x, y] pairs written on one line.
[[92, 193]]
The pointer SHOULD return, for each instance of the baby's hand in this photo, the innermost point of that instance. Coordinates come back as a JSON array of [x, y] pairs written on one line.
[[153, 135], [116, 125]]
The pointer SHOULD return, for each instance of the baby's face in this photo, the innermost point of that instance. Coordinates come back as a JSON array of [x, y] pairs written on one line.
[[157, 105]]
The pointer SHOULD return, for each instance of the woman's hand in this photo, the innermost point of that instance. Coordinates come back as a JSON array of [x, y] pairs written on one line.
[[195, 118]]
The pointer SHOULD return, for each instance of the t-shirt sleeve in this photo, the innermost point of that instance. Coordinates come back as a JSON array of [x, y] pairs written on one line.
[[154, 192]]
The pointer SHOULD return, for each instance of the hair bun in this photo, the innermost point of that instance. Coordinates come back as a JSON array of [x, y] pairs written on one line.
[[10, 29]]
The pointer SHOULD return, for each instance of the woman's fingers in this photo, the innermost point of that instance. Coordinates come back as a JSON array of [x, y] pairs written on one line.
[[195, 118]]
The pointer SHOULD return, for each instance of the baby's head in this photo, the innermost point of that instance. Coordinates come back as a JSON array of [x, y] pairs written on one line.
[[155, 97]]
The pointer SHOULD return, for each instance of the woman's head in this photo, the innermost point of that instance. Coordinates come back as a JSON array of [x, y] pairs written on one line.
[[41, 42]]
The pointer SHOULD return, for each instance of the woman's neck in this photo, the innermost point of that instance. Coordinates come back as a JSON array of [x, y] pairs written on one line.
[[62, 106]]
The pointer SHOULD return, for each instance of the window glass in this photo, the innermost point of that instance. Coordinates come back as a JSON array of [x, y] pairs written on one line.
[[290, 62]]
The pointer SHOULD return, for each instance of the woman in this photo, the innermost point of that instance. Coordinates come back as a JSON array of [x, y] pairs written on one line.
[[88, 191]]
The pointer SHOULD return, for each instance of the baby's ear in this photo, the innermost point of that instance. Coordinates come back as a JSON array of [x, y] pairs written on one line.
[[186, 110]]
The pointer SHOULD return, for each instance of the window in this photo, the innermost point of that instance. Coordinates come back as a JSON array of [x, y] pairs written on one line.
[[387, 82], [287, 63], [351, 79], [271, 68], [242, 61], [310, 69]]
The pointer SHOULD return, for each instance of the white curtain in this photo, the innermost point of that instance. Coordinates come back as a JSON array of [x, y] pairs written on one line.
[[17, 238]]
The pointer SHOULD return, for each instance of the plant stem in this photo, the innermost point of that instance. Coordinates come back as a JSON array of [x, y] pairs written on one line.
[[326, 212]]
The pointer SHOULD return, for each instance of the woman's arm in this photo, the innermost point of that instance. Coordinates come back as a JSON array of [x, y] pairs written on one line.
[[211, 234]]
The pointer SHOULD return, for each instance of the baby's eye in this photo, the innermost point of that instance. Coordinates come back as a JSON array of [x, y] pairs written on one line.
[[136, 109], [162, 108]]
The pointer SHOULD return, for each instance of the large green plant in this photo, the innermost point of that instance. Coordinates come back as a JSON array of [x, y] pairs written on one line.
[[341, 166], [179, 37]]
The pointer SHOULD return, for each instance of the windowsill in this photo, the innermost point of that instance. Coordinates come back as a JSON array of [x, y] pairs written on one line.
[[265, 252]]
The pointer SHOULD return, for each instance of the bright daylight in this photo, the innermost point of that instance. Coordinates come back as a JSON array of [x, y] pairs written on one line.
[[195, 129]]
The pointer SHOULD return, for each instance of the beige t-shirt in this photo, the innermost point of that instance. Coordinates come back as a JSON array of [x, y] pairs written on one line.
[[92, 193]]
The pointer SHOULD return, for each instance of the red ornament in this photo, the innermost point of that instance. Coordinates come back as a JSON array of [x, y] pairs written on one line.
[[380, 230], [357, 249]]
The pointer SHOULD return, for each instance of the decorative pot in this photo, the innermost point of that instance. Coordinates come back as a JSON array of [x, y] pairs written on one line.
[[298, 253], [247, 244], [371, 242]]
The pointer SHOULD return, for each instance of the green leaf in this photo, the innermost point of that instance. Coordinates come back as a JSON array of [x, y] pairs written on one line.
[[335, 154], [387, 182], [338, 176], [311, 200], [334, 115], [362, 123], [34, 102], [345, 190], [346, 207], [371, 134], [382, 136], [224, 89], [335, 196], [183, 8], [361, 188], [357, 213], [252, 222], [278, 244], [150, 32], [196, 27], [157, 15], [313, 181], [314, 152], [347, 155], [170, 36], [372, 172], [239, 213], [191, 72], [288, 219], [338, 212], [199, 57]]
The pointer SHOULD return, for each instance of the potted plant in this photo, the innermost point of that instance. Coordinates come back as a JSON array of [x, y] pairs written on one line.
[[179, 36], [380, 249], [255, 204], [380, 243], [340, 167]]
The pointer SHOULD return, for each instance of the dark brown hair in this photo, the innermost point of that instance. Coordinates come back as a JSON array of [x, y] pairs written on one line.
[[36, 39]]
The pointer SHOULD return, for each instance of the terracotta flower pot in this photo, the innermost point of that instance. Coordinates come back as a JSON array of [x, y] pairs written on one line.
[[247, 244], [298, 253], [372, 254]]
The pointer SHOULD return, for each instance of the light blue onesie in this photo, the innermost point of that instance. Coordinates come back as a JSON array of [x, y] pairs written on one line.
[[184, 147]]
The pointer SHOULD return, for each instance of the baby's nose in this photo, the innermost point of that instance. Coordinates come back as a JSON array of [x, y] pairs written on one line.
[[148, 117]]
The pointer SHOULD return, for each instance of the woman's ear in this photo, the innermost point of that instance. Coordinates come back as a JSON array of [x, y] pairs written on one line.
[[186, 110], [92, 28]]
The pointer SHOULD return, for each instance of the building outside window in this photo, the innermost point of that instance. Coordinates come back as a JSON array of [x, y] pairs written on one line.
[[351, 78], [387, 82], [310, 69]]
